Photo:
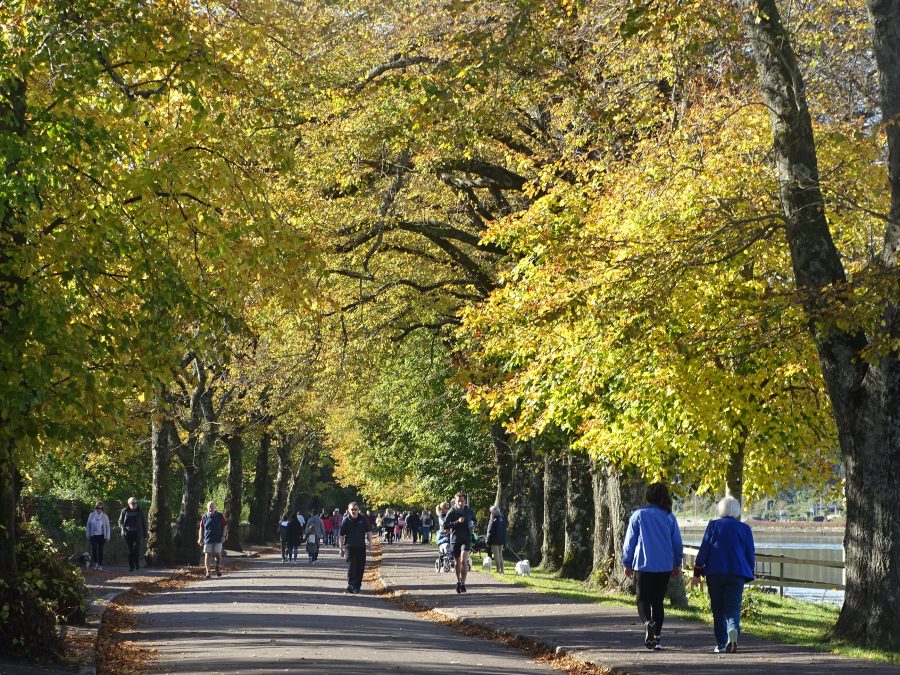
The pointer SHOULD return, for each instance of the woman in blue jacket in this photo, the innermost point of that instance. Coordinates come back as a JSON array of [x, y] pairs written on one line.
[[653, 554], [727, 559]]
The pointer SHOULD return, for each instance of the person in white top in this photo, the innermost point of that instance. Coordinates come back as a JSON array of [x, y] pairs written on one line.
[[97, 531]]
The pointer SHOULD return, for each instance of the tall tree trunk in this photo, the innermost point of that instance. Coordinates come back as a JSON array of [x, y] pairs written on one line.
[[14, 121], [279, 496], [604, 561], [234, 502], [187, 551], [535, 512], [577, 554], [309, 474], [616, 495], [163, 436], [865, 396], [8, 566], [503, 465], [554, 528], [305, 475], [525, 505], [884, 16], [259, 505]]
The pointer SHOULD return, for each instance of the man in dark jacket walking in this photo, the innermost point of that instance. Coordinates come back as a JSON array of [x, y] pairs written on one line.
[[414, 525], [134, 528], [496, 537], [355, 538]]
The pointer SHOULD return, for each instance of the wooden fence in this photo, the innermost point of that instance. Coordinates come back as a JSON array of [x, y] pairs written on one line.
[[770, 570]]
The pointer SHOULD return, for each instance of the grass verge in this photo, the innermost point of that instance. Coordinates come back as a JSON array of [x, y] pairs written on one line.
[[766, 615]]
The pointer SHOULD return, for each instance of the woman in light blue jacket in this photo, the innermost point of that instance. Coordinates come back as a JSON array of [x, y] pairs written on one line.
[[727, 558], [652, 554]]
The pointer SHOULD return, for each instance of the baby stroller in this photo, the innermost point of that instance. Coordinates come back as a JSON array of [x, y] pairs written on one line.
[[444, 562]]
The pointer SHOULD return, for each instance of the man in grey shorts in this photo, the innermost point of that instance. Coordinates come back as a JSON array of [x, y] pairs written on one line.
[[213, 531]]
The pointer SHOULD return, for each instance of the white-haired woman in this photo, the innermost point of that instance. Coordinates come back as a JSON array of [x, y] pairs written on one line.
[[727, 560]]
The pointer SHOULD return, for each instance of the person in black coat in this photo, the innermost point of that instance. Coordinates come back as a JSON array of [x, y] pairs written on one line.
[[496, 537], [134, 529], [294, 532], [414, 525]]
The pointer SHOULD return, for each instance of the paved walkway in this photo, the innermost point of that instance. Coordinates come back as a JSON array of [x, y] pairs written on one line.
[[605, 635], [270, 617], [266, 616]]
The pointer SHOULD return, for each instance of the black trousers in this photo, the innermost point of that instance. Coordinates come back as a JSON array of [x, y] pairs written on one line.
[[133, 541], [651, 593], [98, 541], [356, 564]]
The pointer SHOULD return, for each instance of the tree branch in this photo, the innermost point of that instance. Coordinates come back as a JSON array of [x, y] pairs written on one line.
[[398, 62]]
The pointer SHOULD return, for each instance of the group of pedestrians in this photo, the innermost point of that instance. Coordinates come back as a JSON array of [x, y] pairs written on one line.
[[393, 526], [653, 553], [132, 524], [315, 530]]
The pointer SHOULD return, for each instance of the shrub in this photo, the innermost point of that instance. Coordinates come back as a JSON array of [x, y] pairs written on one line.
[[751, 603], [47, 592], [52, 578], [27, 623]]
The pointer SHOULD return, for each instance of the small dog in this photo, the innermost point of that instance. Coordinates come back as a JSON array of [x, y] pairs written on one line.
[[83, 560], [487, 563], [523, 568]]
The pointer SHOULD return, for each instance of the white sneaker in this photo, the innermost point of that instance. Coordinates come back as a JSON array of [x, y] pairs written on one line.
[[99, 568], [720, 650], [731, 647]]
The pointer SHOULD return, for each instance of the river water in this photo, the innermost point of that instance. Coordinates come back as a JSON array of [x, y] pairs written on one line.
[[820, 544]]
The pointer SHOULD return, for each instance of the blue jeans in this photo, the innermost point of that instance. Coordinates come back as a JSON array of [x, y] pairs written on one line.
[[725, 593], [426, 534]]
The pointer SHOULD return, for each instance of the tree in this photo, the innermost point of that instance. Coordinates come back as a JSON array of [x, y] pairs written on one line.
[[163, 438], [409, 438], [131, 207], [860, 363]]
